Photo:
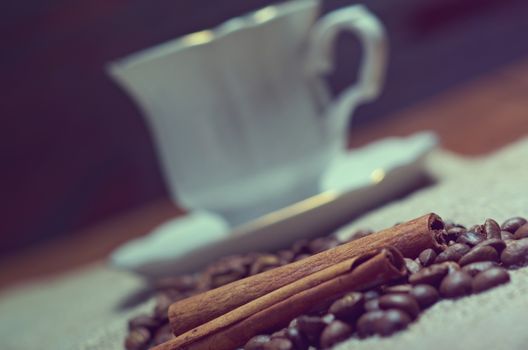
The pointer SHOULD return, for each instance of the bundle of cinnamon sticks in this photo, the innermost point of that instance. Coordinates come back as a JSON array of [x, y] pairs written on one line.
[[228, 316]]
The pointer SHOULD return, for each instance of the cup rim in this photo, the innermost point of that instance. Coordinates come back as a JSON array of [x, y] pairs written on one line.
[[251, 19]]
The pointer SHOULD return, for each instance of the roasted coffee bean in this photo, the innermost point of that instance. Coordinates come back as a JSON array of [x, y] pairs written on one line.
[[440, 237], [312, 326], [470, 238], [301, 247], [521, 232], [359, 234], [456, 285], [427, 257], [162, 335], [264, 263], [257, 342], [278, 344], [144, 320], [492, 229], [398, 288], [366, 324], [321, 244], [328, 318], [474, 268], [449, 224], [372, 305], [227, 270], [429, 275], [234, 262], [505, 235], [403, 302], [516, 253], [280, 334], [348, 308], [392, 321], [490, 278], [321, 308], [161, 309], [299, 341], [137, 339], [452, 253], [204, 282], [455, 231], [334, 333], [228, 277], [479, 253], [478, 229], [411, 265], [451, 266], [512, 224], [425, 295], [371, 294], [286, 256], [448, 236], [497, 244], [174, 295], [180, 283]]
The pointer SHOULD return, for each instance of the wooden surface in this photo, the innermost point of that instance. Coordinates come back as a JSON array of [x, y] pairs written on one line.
[[472, 119]]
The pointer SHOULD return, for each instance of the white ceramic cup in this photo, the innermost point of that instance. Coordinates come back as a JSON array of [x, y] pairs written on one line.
[[241, 115]]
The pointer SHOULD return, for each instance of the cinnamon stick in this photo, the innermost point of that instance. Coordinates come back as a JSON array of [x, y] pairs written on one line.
[[279, 307], [410, 238]]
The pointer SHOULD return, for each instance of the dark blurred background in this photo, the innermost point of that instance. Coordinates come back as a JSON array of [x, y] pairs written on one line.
[[76, 150]]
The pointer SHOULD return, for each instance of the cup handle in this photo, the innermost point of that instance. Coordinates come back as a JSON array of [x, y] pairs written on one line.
[[371, 33]]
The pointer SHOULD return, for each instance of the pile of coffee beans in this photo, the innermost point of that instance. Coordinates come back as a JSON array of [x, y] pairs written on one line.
[[148, 330], [475, 260]]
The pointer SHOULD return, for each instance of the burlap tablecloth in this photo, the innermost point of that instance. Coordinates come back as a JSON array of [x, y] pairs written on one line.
[[78, 310]]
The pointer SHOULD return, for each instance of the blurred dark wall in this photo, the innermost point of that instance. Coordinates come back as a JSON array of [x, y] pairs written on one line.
[[75, 149]]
